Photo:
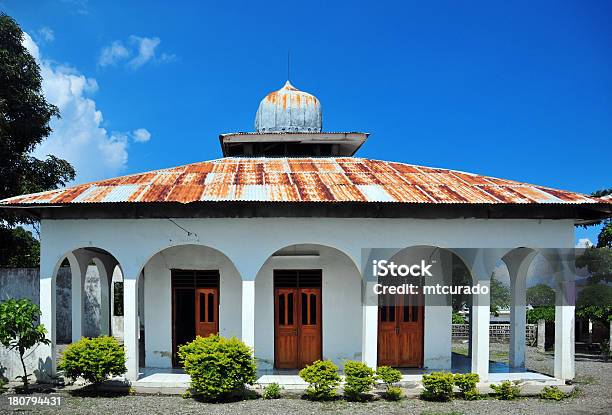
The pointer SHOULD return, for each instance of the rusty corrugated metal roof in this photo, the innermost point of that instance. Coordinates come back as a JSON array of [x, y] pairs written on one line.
[[340, 179]]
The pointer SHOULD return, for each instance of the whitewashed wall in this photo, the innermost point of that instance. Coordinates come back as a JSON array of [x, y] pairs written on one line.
[[249, 242]]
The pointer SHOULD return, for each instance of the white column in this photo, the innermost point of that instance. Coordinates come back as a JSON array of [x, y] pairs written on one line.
[[248, 313], [369, 341], [47, 319], [564, 332], [130, 327], [518, 322], [77, 272], [480, 315]]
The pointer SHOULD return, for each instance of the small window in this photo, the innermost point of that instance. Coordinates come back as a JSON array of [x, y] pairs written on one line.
[[290, 309], [202, 308], [313, 309], [304, 308], [211, 308], [118, 298], [281, 309]]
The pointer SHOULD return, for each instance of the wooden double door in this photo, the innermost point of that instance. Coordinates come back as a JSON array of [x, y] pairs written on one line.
[[400, 331], [297, 318]]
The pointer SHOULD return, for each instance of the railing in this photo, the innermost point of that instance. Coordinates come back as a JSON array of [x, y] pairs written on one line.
[[497, 332]]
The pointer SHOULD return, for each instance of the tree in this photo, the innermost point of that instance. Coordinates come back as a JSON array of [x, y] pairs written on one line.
[[19, 329], [604, 239], [500, 296], [595, 303], [19, 248], [24, 123], [540, 295]]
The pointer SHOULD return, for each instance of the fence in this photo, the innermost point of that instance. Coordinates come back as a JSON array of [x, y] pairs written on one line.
[[497, 332]]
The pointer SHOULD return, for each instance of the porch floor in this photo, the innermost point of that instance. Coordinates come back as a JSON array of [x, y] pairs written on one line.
[[167, 379]]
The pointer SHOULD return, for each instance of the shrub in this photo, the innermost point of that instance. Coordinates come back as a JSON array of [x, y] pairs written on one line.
[[438, 386], [467, 385], [389, 376], [393, 393], [218, 366], [359, 379], [93, 359], [272, 391], [506, 390], [552, 393], [322, 378]]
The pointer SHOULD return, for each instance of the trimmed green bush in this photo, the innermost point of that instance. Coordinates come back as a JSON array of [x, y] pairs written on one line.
[[272, 391], [393, 393], [322, 378], [359, 379], [438, 386], [506, 390], [552, 393], [389, 376], [93, 359], [467, 385], [218, 366]]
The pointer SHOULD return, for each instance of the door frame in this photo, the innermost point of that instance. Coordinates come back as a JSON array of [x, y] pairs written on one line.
[[190, 280]]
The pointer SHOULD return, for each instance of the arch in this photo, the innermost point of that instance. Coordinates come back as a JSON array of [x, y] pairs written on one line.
[[284, 245], [157, 297], [340, 291]]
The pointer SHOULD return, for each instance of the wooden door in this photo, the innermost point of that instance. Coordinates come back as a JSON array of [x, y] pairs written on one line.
[[297, 327], [387, 332], [400, 331], [206, 311], [309, 330], [410, 331], [286, 328]]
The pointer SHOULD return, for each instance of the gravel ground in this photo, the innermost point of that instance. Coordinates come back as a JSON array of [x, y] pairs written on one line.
[[592, 397]]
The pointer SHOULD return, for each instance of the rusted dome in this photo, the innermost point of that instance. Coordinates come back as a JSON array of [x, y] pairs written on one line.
[[289, 110]]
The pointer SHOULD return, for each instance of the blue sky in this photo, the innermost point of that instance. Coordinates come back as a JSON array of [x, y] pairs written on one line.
[[519, 90]]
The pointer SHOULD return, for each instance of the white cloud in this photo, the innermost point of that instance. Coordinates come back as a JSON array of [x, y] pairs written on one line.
[[78, 136], [136, 52], [141, 135], [584, 243], [113, 53], [146, 50], [46, 34]]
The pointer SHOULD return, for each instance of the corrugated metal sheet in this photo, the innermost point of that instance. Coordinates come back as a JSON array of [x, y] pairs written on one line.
[[341, 179]]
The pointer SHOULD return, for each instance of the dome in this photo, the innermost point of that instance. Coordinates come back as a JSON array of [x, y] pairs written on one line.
[[289, 110]]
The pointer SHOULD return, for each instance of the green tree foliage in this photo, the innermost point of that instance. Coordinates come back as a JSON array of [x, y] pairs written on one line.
[[93, 359], [218, 366], [18, 248], [19, 329], [595, 303], [24, 123], [546, 313], [500, 295], [540, 295]]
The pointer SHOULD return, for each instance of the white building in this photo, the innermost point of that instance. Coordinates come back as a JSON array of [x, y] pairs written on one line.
[[267, 244]]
